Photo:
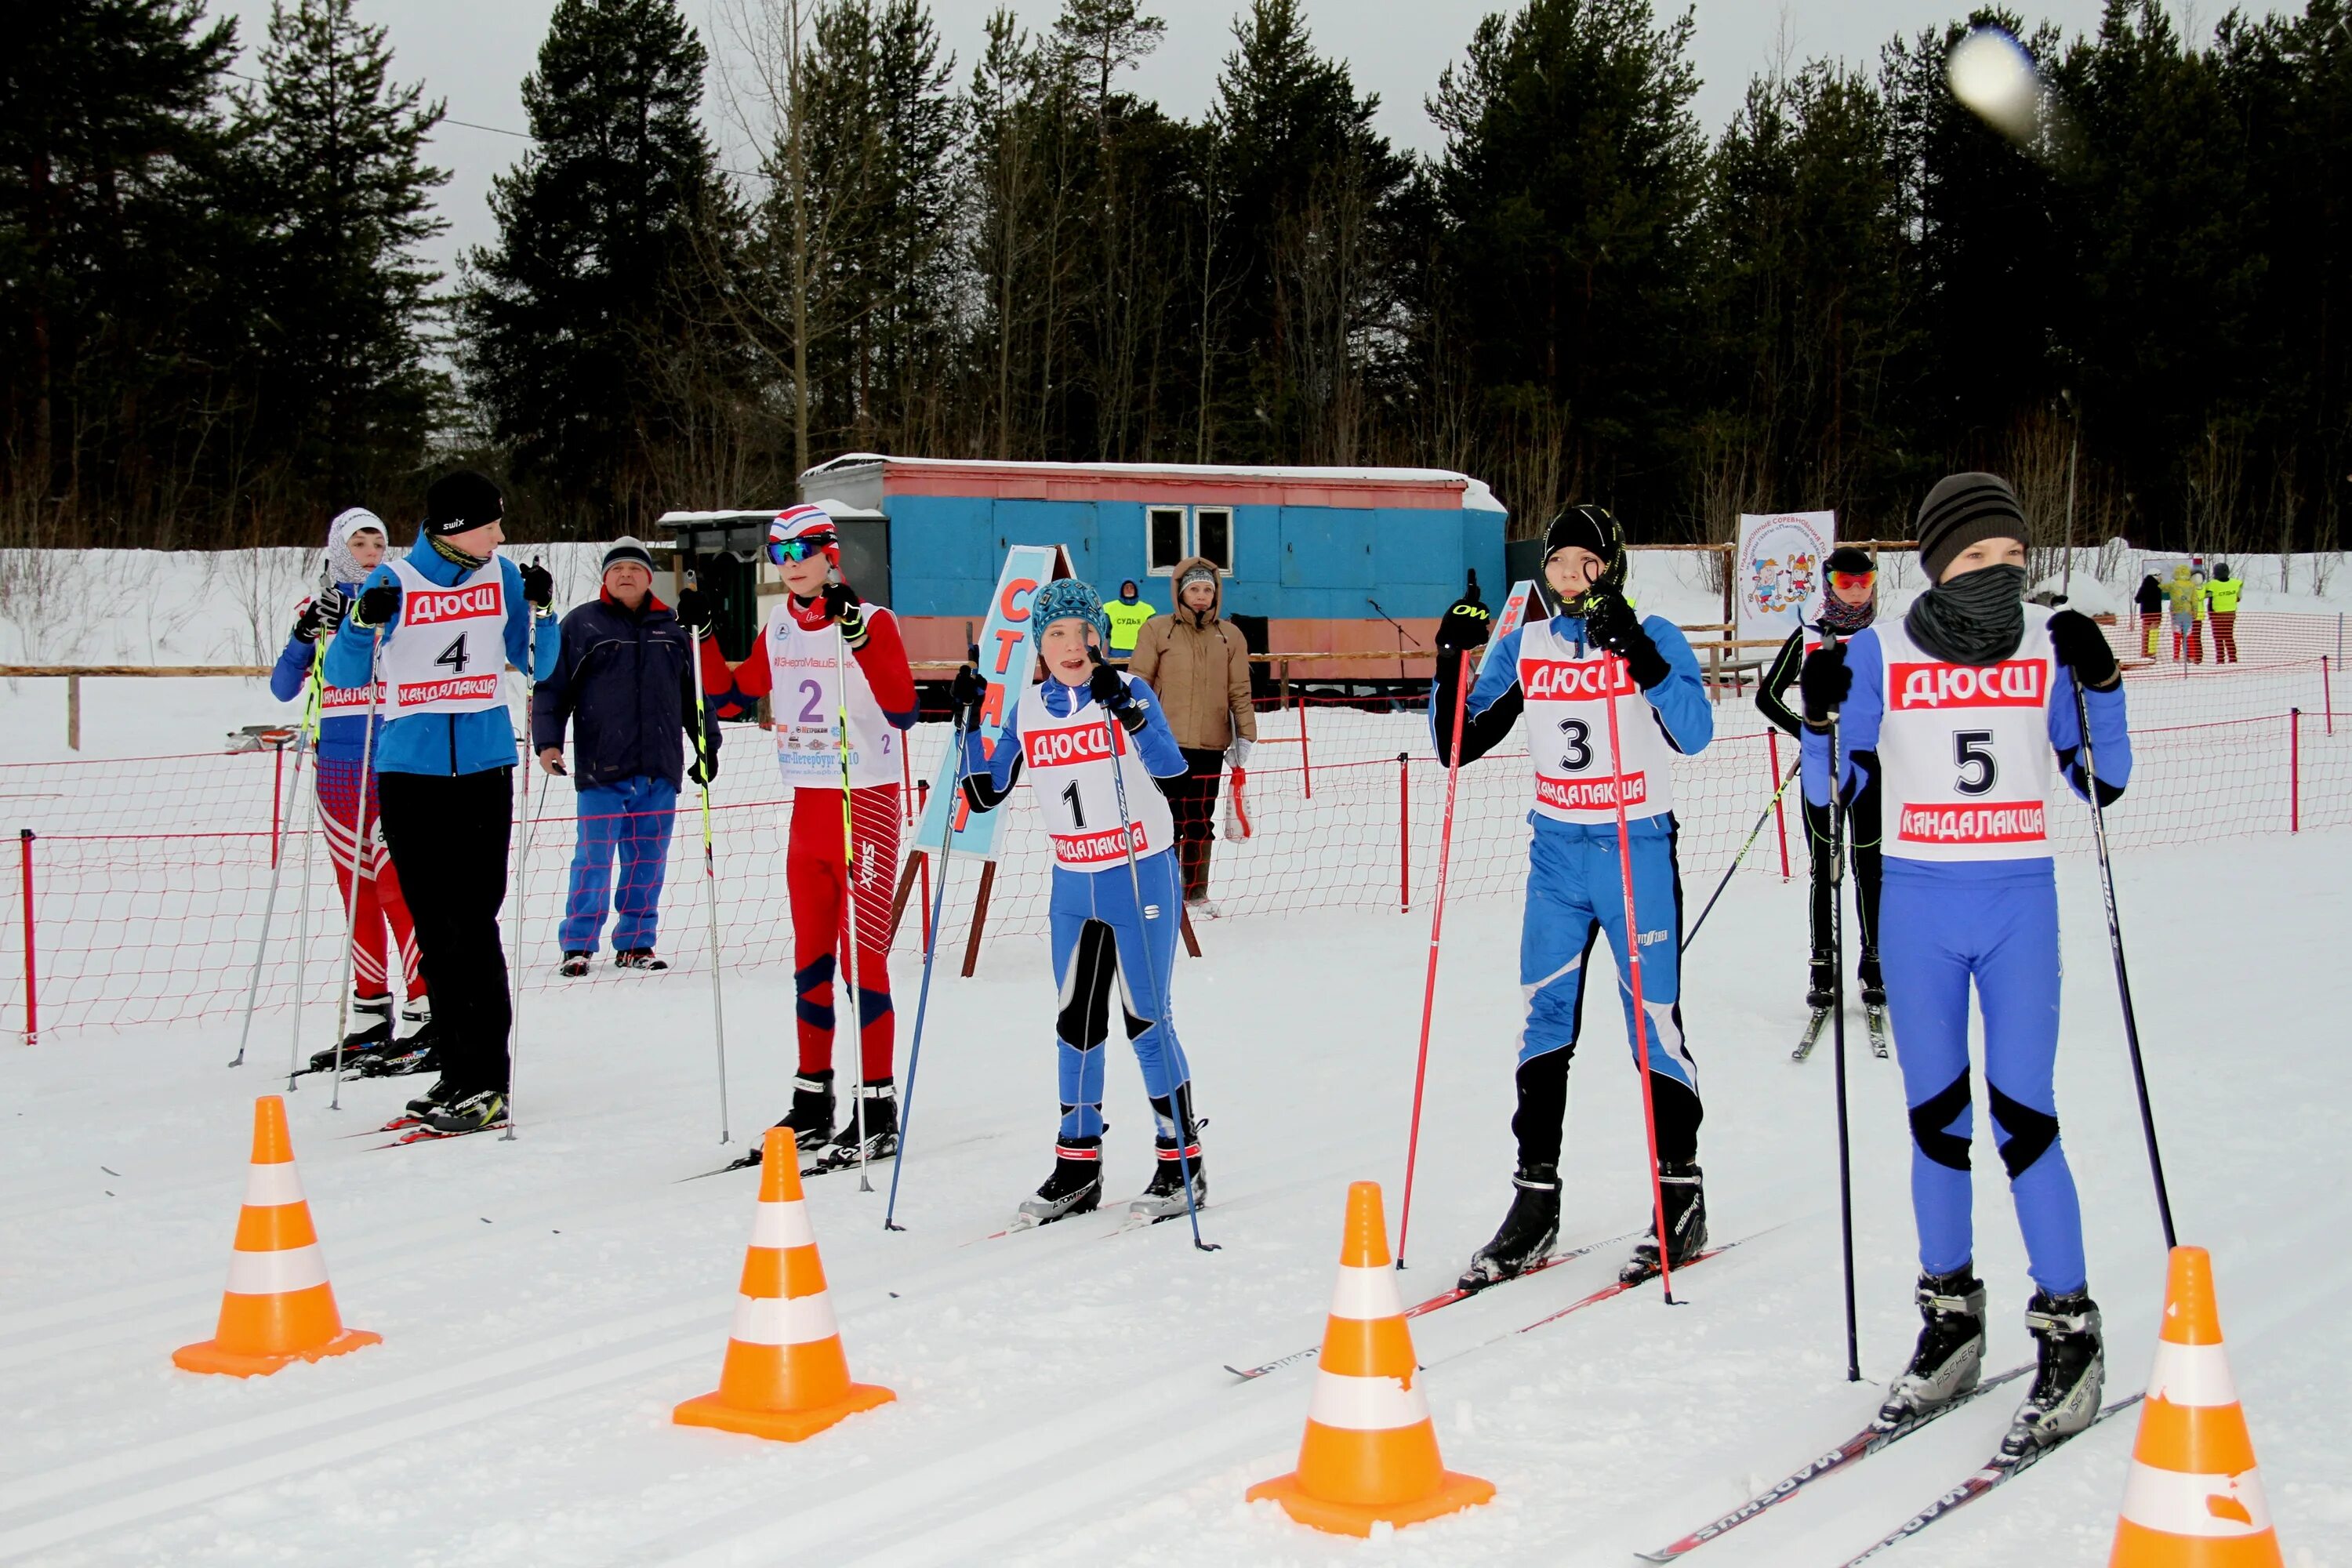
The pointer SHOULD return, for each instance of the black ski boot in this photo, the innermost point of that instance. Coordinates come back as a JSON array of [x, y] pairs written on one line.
[[638, 958], [1527, 1231], [440, 1096], [1949, 1359], [483, 1108], [880, 1100], [574, 966], [372, 1037], [2068, 1382], [1163, 1196], [1873, 983], [1821, 988], [811, 1116], [413, 1054], [1074, 1187], [1679, 1184]]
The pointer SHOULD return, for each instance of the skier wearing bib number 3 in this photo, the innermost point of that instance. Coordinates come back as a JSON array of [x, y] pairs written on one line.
[[1965, 701], [1564, 672], [799, 665], [1057, 733]]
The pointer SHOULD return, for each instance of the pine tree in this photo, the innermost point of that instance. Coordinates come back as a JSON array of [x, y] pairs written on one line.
[[336, 153]]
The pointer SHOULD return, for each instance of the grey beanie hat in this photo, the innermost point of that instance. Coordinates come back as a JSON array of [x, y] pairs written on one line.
[[1202, 573], [624, 550], [1961, 511]]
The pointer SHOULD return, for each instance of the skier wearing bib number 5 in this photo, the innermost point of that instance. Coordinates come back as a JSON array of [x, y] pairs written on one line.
[[1965, 702], [1057, 733], [1565, 672], [820, 634]]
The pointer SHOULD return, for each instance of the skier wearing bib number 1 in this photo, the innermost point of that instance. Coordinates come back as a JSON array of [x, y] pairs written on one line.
[[799, 666], [1056, 732], [1966, 701], [1564, 672]]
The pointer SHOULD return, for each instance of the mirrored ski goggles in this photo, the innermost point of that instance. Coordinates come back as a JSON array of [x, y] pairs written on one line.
[[801, 547], [1852, 579]]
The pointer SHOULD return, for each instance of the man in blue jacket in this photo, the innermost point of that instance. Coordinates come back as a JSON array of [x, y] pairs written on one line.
[[625, 677], [441, 625]]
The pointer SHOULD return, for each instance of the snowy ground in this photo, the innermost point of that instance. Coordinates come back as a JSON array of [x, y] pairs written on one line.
[[544, 1302]]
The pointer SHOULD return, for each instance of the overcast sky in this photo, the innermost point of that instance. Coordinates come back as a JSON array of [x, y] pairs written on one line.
[[475, 54]]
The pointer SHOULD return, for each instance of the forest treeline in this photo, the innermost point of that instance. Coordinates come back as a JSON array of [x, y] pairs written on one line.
[[219, 327]]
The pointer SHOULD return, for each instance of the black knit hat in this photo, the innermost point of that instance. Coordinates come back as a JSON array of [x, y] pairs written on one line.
[[1589, 528], [460, 500], [1961, 511], [1846, 558]]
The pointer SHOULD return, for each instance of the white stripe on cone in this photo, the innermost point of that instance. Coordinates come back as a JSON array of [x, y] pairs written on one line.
[[784, 1319], [276, 1273], [1365, 1404], [2192, 1376], [782, 1225], [1363, 1294], [2181, 1504], [272, 1187]]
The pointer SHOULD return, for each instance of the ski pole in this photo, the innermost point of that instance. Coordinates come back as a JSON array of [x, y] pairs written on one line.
[[302, 940], [277, 857], [522, 874], [849, 893], [1616, 668], [1437, 930], [1837, 1037], [1753, 833], [1114, 733], [923, 997], [359, 866], [2122, 976], [710, 883]]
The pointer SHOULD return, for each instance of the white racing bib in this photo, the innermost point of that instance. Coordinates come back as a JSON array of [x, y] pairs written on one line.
[[348, 701], [804, 669], [449, 648], [1566, 697], [1964, 752], [1069, 764]]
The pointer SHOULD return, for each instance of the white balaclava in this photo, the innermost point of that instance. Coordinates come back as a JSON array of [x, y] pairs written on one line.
[[340, 566]]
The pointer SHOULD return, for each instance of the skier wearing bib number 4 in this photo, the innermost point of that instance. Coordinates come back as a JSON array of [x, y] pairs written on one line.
[[1965, 702], [1056, 732], [1564, 673], [820, 634]]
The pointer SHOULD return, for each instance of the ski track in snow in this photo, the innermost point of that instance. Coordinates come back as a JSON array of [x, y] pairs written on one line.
[[545, 1302]]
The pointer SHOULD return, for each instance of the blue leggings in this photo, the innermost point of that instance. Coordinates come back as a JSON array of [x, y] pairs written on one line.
[[1941, 925], [631, 818], [1099, 938]]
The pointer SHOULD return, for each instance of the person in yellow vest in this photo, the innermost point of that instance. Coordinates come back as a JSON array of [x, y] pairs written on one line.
[[2187, 597], [1128, 613], [2222, 599]]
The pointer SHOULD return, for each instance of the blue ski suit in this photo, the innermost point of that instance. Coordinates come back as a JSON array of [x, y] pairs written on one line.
[[1097, 929], [1576, 893], [1993, 922]]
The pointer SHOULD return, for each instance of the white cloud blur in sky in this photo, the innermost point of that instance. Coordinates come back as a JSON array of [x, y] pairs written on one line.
[[475, 54]]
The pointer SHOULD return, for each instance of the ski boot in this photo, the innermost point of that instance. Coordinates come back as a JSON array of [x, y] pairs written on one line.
[[1527, 1231], [1197, 902], [367, 1040], [1074, 1187], [471, 1113], [440, 1096], [1873, 983], [638, 958], [2068, 1382], [1820, 989], [1685, 1198], [1163, 1197], [880, 1100], [1949, 1359], [810, 1120], [411, 1055], [574, 966]]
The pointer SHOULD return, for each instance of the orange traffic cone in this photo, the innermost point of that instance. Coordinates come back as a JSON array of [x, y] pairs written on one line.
[[278, 1306], [1369, 1453], [2194, 1499], [785, 1375]]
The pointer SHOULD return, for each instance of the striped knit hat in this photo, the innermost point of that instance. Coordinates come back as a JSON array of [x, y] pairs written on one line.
[[1961, 511]]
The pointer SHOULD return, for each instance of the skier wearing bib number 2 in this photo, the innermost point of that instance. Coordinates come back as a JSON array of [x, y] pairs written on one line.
[[798, 664], [1056, 732], [1564, 672], [1966, 701]]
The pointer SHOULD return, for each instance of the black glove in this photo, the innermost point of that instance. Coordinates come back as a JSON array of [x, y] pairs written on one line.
[[705, 766], [2082, 647], [1467, 624], [1611, 622], [1117, 696], [321, 616], [539, 586], [964, 697], [847, 612], [1825, 683], [694, 613], [378, 604]]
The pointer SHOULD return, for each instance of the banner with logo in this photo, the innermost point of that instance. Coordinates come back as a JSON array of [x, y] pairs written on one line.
[[1780, 570], [1008, 659]]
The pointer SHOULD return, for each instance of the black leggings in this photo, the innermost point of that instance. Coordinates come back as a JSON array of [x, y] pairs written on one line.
[[449, 838], [1193, 796]]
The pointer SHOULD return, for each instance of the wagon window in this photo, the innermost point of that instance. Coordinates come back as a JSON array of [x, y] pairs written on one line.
[[1166, 545], [1212, 529]]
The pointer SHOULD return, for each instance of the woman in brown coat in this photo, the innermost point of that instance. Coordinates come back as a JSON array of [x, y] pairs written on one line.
[[1198, 665]]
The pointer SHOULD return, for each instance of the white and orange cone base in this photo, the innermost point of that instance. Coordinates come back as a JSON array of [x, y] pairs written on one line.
[[2194, 1499], [278, 1306], [1369, 1456], [786, 1375]]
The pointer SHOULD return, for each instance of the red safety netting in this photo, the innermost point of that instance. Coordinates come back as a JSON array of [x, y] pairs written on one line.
[[150, 876]]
